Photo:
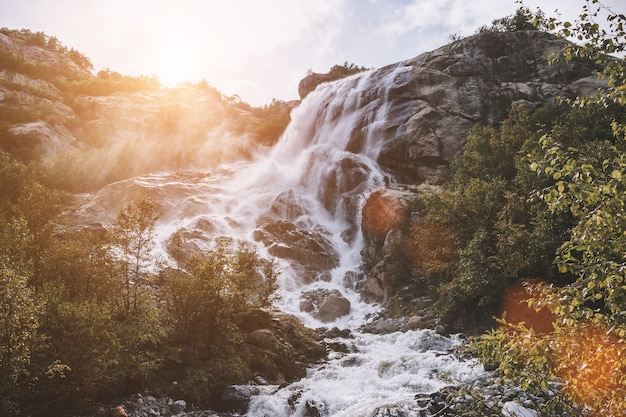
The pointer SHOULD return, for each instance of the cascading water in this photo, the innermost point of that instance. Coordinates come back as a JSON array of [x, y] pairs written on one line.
[[312, 185]]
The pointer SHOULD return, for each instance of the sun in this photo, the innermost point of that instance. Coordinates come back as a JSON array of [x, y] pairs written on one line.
[[176, 63]]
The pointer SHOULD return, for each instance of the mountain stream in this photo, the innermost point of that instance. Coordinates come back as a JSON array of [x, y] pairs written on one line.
[[315, 180]]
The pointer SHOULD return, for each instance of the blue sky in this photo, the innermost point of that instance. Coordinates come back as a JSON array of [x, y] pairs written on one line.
[[258, 49]]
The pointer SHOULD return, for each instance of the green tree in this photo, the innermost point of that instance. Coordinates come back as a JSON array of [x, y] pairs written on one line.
[[19, 339], [583, 173], [132, 236], [216, 290]]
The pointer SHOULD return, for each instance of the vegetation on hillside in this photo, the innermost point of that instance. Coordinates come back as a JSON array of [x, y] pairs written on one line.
[[538, 203], [86, 315], [195, 125]]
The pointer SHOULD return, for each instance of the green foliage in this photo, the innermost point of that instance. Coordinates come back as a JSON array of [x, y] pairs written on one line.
[[212, 294], [519, 21], [108, 82], [579, 163], [345, 70], [19, 338], [132, 237], [496, 236], [272, 121], [49, 43]]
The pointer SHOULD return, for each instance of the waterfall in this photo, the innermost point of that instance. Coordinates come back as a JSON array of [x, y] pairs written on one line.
[[309, 191], [314, 179]]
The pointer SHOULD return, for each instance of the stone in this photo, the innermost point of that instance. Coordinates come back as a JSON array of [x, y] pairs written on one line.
[[310, 83], [237, 397], [118, 411], [178, 406], [333, 307], [262, 338], [311, 250], [513, 409]]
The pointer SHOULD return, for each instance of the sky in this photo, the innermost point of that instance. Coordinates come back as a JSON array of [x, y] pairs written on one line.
[[259, 49]]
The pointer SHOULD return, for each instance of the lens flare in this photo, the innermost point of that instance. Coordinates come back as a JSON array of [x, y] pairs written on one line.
[[516, 309], [381, 214], [591, 361], [431, 246]]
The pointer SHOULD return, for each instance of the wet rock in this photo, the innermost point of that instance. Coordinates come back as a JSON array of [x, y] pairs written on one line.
[[325, 305], [333, 307], [237, 397], [311, 250], [384, 325]]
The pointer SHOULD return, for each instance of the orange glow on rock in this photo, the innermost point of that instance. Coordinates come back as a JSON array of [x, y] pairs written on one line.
[[382, 214], [431, 246], [515, 306]]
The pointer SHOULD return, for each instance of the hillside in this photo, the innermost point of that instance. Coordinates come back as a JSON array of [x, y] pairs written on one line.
[[91, 126], [315, 257]]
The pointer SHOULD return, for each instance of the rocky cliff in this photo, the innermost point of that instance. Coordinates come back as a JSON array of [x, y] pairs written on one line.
[[106, 127], [473, 80], [413, 116], [432, 108]]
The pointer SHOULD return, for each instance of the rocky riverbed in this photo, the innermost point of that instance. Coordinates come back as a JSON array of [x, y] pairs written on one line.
[[489, 394]]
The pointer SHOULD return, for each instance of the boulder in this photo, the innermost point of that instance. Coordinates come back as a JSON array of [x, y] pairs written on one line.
[[178, 406], [118, 411], [324, 304], [311, 250], [310, 83], [513, 409], [384, 211], [333, 307], [262, 338], [237, 397]]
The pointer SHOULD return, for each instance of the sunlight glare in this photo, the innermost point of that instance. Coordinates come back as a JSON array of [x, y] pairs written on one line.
[[177, 63]]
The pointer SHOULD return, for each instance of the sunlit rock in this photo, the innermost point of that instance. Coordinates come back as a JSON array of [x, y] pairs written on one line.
[[310, 82]]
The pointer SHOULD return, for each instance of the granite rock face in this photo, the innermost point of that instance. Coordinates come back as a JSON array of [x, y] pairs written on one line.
[[474, 80]]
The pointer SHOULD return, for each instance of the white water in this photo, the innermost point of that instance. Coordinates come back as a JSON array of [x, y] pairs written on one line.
[[338, 125], [308, 166], [381, 372]]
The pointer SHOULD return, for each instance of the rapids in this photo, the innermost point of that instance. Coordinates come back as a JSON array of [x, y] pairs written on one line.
[[317, 178]]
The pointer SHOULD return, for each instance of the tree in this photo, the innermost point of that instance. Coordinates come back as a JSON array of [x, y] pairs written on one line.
[[19, 338], [216, 289], [518, 21], [132, 236], [584, 172]]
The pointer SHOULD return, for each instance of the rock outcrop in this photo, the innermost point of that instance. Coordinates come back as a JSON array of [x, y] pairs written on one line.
[[310, 83], [443, 93]]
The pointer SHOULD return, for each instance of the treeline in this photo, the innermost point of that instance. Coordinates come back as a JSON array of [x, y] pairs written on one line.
[[89, 315], [49, 43]]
